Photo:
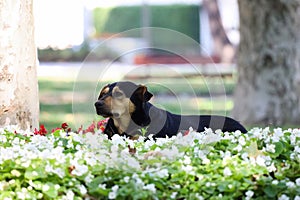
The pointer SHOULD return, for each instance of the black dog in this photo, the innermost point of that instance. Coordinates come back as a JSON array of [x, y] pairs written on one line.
[[127, 106]]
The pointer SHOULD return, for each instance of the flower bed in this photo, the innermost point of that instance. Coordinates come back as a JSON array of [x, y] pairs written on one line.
[[261, 164]]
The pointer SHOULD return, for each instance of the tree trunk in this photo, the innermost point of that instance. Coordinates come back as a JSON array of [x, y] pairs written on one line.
[[222, 45], [18, 77], [268, 63]]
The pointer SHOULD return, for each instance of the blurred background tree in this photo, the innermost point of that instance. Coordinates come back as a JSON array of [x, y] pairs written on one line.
[[221, 43], [19, 101], [267, 91]]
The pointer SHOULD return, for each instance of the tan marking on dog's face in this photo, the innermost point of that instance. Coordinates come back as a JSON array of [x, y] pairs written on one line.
[[121, 105], [104, 91]]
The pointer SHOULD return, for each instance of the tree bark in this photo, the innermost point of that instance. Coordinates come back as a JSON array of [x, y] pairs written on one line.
[[268, 63], [222, 45], [18, 77]]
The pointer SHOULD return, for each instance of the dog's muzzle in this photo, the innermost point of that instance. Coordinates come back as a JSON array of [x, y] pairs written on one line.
[[101, 109]]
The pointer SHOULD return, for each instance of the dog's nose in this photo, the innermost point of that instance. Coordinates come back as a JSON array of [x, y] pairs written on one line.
[[99, 103]]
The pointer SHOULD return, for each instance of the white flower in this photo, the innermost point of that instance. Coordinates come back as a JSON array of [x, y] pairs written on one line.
[[162, 173], [80, 170], [205, 161], [237, 133], [270, 148], [70, 195], [278, 132], [56, 186], [16, 141], [102, 186], [260, 160], [211, 137], [12, 181], [297, 197], [170, 153], [227, 172], [228, 136], [257, 133], [275, 182], [238, 148], [3, 139], [173, 195], [130, 143], [199, 197], [34, 173], [148, 144], [113, 193], [249, 194], [89, 178], [293, 139], [15, 173], [82, 189], [271, 168], [297, 149], [290, 184], [189, 169], [118, 140], [46, 187], [187, 160], [161, 141], [283, 197], [150, 187], [245, 156], [298, 181], [126, 179], [138, 181]]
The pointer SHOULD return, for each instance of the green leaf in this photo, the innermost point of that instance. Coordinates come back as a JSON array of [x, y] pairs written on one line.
[[38, 172], [278, 148], [94, 186], [270, 191], [49, 190], [222, 186], [6, 194], [56, 133]]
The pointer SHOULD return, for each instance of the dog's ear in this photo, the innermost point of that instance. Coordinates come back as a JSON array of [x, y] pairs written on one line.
[[142, 93]]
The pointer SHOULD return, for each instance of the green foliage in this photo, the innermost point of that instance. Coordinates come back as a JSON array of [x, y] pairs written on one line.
[[261, 164], [69, 54], [181, 18]]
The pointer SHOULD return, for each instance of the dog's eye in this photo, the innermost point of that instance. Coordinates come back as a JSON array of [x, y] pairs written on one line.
[[117, 94]]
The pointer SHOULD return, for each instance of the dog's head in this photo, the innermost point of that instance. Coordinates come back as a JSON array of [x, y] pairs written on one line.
[[121, 98]]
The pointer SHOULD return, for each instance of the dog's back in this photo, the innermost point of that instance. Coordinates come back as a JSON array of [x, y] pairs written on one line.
[[165, 123]]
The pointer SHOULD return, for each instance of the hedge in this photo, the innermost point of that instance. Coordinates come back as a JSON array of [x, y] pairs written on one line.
[[181, 18]]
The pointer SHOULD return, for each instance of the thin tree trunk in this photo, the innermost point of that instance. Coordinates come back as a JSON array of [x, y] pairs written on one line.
[[222, 45], [268, 63], [18, 78]]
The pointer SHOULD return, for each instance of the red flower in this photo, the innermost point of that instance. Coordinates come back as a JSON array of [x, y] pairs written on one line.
[[64, 126], [91, 128], [80, 129], [186, 133], [42, 131], [102, 124], [94, 126]]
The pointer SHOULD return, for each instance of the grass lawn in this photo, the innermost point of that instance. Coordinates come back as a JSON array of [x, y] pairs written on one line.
[[61, 102]]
